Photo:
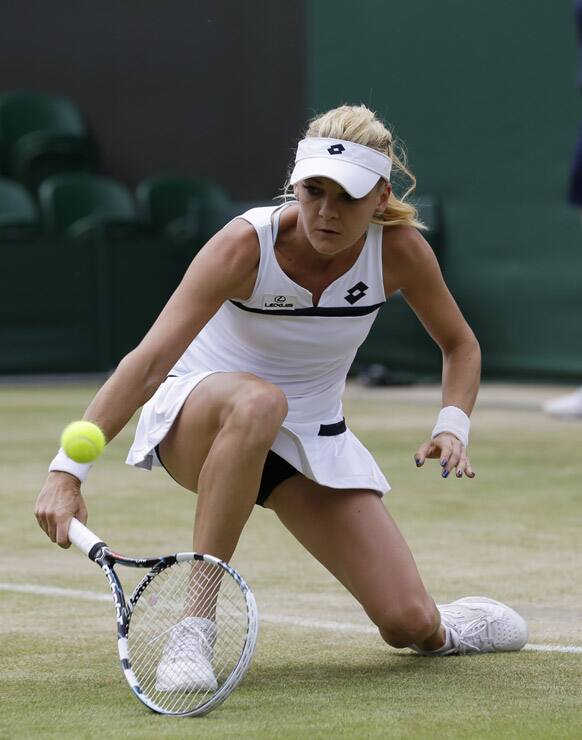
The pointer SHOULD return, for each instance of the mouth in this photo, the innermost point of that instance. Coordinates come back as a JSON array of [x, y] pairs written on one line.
[[327, 231]]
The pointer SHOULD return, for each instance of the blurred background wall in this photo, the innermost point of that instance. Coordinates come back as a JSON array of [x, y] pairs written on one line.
[[203, 87], [483, 95]]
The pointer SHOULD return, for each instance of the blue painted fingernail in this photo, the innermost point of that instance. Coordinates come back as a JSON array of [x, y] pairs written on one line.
[[443, 463], [459, 474], [417, 461], [445, 473]]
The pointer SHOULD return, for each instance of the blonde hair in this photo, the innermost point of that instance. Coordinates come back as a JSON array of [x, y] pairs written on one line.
[[359, 124]]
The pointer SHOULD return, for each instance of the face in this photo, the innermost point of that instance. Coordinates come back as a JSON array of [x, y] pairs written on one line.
[[332, 220]]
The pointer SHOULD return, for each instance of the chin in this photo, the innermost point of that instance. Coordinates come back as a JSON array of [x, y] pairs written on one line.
[[330, 244], [327, 246]]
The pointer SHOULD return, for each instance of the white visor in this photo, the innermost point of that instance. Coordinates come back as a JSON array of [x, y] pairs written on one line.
[[355, 167]]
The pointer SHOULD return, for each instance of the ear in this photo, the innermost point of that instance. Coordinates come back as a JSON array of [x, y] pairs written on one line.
[[385, 188]]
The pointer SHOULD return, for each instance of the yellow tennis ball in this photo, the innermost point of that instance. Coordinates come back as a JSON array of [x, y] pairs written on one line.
[[83, 441]]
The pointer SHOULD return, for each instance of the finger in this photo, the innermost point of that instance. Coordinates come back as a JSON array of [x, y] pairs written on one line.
[[462, 464], [446, 451], [81, 514], [469, 472], [51, 528], [454, 457], [62, 533], [41, 519], [425, 450], [420, 454]]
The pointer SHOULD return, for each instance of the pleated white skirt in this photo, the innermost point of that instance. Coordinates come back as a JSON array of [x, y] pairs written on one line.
[[339, 461]]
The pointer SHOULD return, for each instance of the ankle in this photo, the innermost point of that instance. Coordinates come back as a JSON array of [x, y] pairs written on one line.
[[448, 645], [436, 641]]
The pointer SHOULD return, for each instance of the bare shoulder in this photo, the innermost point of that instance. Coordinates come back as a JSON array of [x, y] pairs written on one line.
[[230, 257], [236, 244], [406, 255], [404, 243]]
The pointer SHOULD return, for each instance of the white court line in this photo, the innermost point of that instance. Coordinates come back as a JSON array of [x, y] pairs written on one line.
[[70, 593]]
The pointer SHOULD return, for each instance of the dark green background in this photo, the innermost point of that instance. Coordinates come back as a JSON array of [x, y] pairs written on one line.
[[483, 94]]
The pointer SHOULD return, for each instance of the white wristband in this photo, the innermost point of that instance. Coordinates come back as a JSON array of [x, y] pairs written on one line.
[[454, 420], [64, 463]]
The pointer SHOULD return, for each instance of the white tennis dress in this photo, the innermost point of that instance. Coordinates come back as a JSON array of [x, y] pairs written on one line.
[[305, 350]]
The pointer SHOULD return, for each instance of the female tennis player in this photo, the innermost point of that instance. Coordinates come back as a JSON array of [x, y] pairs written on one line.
[[243, 372]]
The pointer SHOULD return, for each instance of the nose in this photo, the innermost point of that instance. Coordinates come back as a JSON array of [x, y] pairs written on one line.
[[327, 208]]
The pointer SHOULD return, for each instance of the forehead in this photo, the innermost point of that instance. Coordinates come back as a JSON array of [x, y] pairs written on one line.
[[325, 183]]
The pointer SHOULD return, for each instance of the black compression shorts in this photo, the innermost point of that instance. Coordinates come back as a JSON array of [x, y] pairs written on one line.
[[276, 470]]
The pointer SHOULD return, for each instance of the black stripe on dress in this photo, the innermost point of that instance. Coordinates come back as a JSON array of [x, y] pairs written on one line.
[[315, 311], [332, 430]]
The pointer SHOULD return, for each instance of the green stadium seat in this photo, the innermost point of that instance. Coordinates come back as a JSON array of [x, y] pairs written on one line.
[[81, 205], [183, 208], [42, 135], [19, 219]]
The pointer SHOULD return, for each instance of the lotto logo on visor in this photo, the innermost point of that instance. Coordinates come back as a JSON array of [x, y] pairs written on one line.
[[357, 169], [336, 149]]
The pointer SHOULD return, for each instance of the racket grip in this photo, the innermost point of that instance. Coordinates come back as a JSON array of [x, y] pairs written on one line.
[[82, 537]]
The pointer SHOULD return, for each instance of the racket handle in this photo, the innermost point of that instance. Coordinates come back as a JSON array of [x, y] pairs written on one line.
[[82, 537]]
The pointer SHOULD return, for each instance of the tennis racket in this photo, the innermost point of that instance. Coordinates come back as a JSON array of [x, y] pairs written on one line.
[[187, 635]]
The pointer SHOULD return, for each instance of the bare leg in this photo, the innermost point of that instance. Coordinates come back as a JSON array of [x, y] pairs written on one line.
[[217, 446], [352, 534]]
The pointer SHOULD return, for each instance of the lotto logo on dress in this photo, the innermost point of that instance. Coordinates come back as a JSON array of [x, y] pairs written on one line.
[[356, 292]]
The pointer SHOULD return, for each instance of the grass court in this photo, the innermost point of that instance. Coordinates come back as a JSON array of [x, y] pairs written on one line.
[[320, 671]]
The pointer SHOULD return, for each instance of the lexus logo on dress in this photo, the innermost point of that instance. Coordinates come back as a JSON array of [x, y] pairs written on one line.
[[278, 300]]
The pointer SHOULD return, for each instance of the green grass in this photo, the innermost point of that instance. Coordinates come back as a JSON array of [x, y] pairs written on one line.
[[512, 533]]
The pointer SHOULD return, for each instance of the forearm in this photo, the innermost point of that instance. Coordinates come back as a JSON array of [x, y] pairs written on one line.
[[461, 375], [132, 384]]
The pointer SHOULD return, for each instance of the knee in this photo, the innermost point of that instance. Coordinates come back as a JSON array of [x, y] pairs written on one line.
[[259, 408], [413, 623]]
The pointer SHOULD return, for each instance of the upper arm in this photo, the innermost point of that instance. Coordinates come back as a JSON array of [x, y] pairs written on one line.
[[224, 268], [410, 266]]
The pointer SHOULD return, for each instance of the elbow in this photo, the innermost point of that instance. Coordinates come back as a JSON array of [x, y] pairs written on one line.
[[472, 347], [466, 348], [476, 349], [474, 356], [142, 372]]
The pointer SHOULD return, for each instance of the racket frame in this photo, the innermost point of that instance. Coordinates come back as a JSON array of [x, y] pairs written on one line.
[[106, 558]]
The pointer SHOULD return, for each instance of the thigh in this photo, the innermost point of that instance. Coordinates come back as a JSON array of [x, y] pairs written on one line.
[[186, 446], [352, 534]]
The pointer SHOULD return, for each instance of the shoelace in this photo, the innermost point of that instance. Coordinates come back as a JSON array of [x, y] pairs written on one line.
[[182, 639], [470, 631]]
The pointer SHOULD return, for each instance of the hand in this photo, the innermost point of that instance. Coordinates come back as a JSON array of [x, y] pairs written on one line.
[[59, 501], [451, 452]]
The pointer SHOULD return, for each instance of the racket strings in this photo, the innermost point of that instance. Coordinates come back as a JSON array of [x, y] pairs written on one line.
[[186, 636]]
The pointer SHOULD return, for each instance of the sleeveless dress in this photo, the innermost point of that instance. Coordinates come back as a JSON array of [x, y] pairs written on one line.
[[305, 350]]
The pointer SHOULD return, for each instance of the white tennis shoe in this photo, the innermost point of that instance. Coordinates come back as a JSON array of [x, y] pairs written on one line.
[[186, 664], [565, 407], [482, 625]]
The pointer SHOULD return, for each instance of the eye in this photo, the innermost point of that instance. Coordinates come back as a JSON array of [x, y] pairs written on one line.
[[348, 198], [312, 190]]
